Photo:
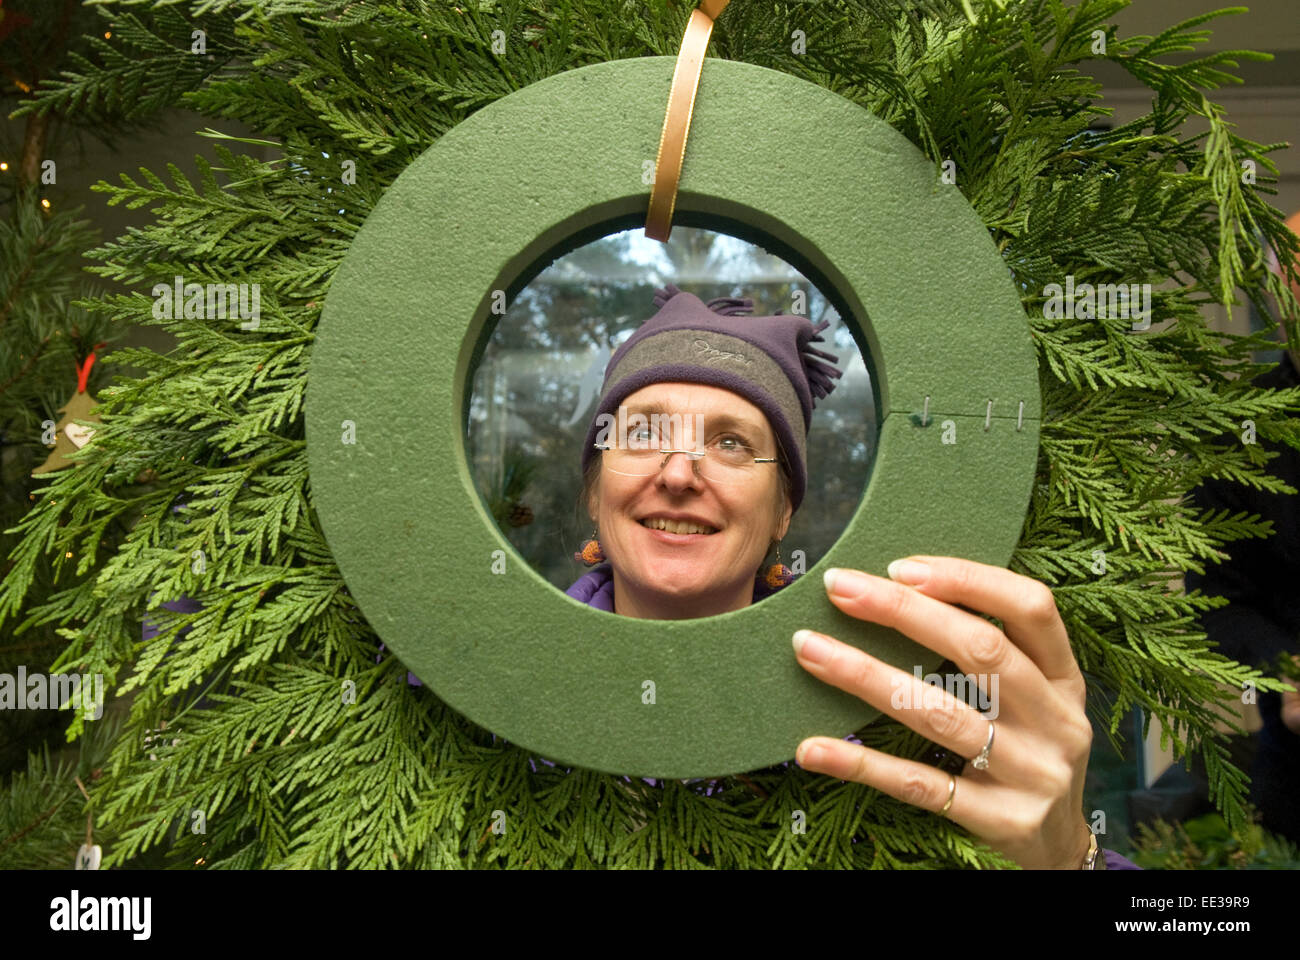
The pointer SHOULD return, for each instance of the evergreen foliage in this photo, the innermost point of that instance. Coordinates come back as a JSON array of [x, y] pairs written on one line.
[[288, 775], [1206, 843], [43, 813], [44, 338]]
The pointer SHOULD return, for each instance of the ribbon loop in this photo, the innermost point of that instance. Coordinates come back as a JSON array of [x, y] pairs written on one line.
[[677, 118], [83, 369]]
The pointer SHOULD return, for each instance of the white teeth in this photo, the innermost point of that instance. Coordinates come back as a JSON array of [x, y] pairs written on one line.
[[675, 526]]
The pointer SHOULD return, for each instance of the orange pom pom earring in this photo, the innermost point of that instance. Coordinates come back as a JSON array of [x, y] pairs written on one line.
[[778, 574], [590, 553]]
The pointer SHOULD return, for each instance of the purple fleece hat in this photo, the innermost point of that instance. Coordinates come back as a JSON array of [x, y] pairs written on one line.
[[766, 360]]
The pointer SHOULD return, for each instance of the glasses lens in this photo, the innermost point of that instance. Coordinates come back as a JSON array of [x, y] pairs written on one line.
[[715, 466], [635, 460], [644, 441], [735, 464]]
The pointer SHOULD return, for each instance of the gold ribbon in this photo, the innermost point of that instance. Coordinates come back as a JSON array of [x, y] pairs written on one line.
[[677, 119]]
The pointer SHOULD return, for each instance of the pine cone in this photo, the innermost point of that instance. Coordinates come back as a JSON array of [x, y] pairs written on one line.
[[520, 515]]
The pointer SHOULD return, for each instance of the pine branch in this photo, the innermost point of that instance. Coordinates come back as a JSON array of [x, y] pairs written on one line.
[[144, 69]]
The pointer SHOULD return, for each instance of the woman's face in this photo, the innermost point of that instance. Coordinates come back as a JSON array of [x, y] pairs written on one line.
[[664, 575]]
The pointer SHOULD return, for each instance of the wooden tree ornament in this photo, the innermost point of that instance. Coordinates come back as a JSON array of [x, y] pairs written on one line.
[[69, 435]]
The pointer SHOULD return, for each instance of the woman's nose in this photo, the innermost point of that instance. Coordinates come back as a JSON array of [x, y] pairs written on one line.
[[679, 472]]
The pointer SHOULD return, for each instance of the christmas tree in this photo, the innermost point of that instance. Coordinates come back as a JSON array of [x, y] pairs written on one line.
[[45, 342], [262, 755]]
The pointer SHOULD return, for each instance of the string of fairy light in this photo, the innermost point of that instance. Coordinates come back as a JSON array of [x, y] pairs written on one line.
[[4, 164]]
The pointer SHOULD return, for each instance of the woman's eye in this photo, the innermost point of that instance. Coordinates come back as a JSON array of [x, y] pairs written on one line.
[[732, 445]]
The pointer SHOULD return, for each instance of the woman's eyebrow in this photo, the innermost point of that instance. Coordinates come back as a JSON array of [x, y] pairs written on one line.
[[728, 420], [714, 420]]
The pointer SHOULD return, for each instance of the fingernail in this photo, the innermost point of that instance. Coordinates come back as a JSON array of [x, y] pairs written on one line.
[[909, 571], [810, 646], [810, 754], [828, 578], [844, 583]]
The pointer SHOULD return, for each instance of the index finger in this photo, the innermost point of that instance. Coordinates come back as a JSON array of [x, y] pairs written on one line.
[[975, 645], [1025, 606]]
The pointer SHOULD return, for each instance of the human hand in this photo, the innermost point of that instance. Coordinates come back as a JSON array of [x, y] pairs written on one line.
[[1028, 803]]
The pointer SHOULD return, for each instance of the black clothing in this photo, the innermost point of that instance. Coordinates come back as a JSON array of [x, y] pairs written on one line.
[[1262, 619]]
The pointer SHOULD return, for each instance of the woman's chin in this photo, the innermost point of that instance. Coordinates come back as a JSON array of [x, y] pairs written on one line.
[[680, 577]]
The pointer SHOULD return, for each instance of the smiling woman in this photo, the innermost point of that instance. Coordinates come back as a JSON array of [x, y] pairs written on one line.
[[686, 515], [684, 534], [540, 378]]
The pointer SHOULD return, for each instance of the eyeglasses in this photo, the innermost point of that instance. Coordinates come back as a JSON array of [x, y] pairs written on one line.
[[727, 459]]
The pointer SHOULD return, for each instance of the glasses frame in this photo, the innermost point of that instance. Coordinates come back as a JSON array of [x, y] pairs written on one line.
[[695, 456]]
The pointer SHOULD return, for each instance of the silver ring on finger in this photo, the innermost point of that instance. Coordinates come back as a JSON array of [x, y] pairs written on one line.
[[981, 762]]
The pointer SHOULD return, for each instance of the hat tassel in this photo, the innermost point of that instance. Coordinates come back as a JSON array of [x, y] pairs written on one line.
[[819, 372]]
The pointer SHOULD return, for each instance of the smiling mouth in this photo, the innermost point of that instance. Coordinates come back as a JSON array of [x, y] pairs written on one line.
[[676, 526]]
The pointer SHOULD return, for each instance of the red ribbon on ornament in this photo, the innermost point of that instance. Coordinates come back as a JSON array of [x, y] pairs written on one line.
[[83, 370]]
